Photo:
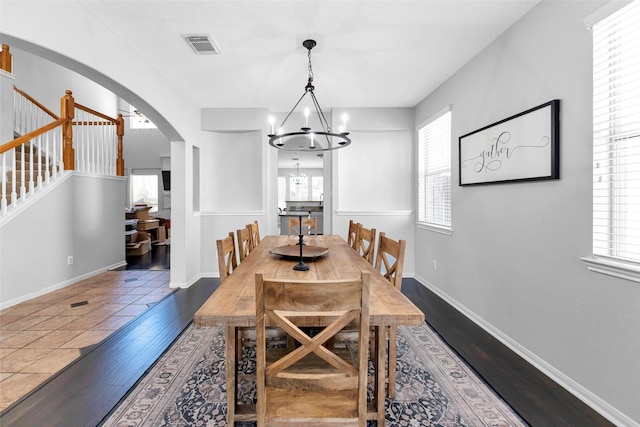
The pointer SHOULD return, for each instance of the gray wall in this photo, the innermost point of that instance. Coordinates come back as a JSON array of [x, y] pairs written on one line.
[[513, 261], [81, 216], [84, 216]]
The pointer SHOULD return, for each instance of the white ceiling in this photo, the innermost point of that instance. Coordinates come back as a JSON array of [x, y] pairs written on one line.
[[369, 53]]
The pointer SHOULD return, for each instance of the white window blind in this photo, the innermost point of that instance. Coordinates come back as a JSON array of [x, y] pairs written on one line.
[[616, 135], [434, 171]]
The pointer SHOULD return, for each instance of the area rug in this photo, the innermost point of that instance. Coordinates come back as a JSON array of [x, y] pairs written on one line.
[[187, 386]]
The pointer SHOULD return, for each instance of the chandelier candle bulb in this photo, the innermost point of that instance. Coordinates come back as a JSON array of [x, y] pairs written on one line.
[[306, 117], [272, 121], [344, 123]]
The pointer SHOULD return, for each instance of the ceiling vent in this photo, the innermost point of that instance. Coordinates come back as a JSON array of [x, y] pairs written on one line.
[[202, 44]]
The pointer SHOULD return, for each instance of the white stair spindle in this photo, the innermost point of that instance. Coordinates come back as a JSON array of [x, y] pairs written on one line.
[[3, 181], [31, 171], [46, 159], [39, 153], [14, 193], [23, 177]]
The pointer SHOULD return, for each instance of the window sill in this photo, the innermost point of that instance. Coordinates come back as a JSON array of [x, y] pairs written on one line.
[[432, 227], [610, 267]]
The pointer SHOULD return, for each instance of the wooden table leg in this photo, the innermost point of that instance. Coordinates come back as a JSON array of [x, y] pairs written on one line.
[[380, 373], [230, 345], [393, 330]]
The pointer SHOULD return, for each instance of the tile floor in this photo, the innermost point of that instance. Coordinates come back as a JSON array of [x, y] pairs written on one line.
[[41, 336]]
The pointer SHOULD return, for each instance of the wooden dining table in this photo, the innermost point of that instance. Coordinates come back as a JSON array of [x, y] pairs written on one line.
[[233, 306]]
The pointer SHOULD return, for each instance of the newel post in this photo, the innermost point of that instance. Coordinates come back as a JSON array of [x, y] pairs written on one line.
[[67, 110], [120, 158], [5, 59]]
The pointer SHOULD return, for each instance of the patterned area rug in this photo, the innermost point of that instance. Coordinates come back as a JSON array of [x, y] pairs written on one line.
[[186, 387]]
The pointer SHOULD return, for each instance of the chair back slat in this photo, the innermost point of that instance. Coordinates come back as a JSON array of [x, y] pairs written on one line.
[[391, 256], [352, 235], [227, 261], [244, 242], [309, 226], [366, 243], [255, 234]]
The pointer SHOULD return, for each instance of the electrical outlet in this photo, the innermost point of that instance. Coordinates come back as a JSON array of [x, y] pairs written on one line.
[[70, 260], [435, 264]]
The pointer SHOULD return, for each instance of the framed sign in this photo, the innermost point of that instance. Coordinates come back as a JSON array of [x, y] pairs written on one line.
[[519, 148]]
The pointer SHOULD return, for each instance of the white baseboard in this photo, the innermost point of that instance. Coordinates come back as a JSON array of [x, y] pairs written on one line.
[[57, 286], [193, 280], [580, 392]]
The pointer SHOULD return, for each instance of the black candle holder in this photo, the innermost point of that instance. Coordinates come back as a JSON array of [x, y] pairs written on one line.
[[300, 266]]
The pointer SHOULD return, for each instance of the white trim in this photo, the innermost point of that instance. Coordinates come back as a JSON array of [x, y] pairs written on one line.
[[60, 285], [612, 267], [604, 12], [173, 285], [98, 175], [435, 228], [7, 74], [375, 213], [586, 396], [231, 213]]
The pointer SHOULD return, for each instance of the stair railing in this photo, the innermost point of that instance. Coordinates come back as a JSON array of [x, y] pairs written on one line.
[[46, 146], [19, 160], [98, 141], [29, 114]]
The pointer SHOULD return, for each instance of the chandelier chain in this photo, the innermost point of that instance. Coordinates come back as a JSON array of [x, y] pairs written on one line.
[[310, 67]]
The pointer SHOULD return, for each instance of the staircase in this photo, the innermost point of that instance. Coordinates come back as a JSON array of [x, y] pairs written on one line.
[[37, 170], [46, 145]]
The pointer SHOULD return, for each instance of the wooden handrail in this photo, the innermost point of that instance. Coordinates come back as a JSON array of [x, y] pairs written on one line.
[[95, 113], [39, 105], [29, 136], [5, 59]]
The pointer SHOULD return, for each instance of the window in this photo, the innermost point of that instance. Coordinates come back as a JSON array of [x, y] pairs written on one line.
[[434, 171], [616, 136], [144, 189], [317, 187], [282, 192], [298, 188], [139, 120]]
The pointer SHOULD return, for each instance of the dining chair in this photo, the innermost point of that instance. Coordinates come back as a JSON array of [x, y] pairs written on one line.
[[227, 261], [366, 243], [309, 226], [244, 242], [255, 234], [312, 384], [246, 336], [391, 257], [352, 235]]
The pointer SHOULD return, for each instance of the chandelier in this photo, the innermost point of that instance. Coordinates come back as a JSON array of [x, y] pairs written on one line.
[[297, 178], [306, 139]]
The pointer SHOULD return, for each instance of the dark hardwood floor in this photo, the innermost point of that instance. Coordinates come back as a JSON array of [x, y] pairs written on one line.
[[157, 259], [86, 392]]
